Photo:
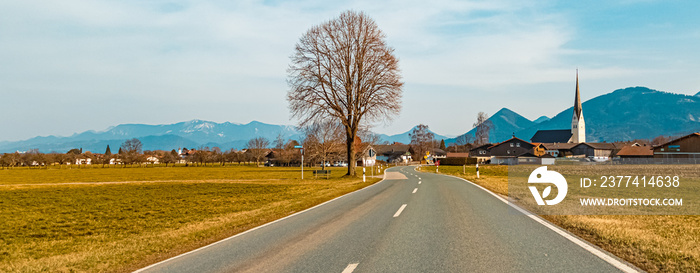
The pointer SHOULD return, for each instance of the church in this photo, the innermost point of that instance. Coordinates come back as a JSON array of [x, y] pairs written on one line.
[[575, 135], [572, 142]]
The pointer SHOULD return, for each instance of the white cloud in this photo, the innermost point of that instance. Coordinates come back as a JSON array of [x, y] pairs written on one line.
[[233, 55]]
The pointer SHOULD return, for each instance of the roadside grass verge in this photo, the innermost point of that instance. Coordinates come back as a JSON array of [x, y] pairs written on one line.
[[123, 227], [655, 243]]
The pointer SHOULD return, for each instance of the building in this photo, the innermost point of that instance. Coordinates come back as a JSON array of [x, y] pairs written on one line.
[[578, 125], [481, 153], [636, 151], [529, 158], [559, 149], [594, 151], [686, 147], [509, 151], [393, 153], [368, 157], [577, 133], [552, 136]]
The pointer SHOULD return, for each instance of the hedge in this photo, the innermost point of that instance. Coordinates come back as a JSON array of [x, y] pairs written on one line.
[[457, 161]]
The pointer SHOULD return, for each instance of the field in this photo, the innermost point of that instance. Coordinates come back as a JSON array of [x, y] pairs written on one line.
[[121, 219], [661, 243]]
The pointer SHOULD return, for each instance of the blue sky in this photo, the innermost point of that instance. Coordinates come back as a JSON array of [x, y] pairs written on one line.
[[72, 66]]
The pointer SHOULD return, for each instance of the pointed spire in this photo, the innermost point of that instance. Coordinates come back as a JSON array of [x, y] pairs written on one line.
[[577, 100]]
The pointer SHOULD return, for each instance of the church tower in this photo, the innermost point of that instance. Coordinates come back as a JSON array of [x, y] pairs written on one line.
[[578, 125]]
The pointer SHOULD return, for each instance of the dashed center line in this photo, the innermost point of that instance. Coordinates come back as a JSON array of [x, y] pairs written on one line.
[[400, 210], [419, 182], [350, 268], [415, 190]]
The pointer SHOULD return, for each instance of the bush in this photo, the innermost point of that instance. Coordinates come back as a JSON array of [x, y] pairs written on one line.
[[457, 161]]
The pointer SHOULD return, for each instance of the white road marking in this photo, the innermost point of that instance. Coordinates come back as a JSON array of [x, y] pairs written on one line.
[[574, 239], [415, 190], [350, 268], [400, 210], [419, 182]]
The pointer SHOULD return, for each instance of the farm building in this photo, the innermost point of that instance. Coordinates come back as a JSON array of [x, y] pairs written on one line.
[[684, 147]]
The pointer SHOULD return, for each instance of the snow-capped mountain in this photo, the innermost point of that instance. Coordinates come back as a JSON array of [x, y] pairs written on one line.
[[189, 134]]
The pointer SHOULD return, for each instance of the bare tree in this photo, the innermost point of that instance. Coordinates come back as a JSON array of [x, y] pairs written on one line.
[[323, 139], [421, 140], [258, 148], [343, 71], [483, 128], [660, 140], [131, 151]]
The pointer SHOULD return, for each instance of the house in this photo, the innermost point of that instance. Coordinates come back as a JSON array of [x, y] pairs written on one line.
[[681, 148], [507, 152], [83, 161], [368, 157], [393, 153], [595, 151], [153, 160], [529, 158], [515, 147], [635, 154], [552, 136], [481, 153], [558, 149], [636, 151]]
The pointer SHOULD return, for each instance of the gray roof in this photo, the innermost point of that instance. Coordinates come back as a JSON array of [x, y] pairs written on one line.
[[552, 136]]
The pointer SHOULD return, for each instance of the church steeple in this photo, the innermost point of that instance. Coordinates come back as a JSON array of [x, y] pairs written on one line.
[[577, 101], [578, 125]]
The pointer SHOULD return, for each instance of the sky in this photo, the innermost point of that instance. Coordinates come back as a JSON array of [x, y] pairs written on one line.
[[71, 66]]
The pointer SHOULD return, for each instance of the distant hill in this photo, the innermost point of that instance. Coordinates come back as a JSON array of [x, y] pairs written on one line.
[[630, 113], [624, 114], [405, 138], [541, 119], [190, 134], [505, 124]]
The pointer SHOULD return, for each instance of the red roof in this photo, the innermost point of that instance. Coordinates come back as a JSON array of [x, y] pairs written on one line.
[[457, 154], [636, 151]]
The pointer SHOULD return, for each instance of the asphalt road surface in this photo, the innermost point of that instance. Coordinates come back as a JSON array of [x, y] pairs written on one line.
[[410, 222]]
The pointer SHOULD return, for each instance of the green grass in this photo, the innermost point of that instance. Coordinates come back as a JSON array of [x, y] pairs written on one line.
[[655, 243], [118, 174], [52, 226]]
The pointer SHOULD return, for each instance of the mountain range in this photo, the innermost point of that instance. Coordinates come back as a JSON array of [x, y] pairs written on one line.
[[191, 134], [624, 114]]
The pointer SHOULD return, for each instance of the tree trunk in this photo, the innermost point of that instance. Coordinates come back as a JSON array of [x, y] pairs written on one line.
[[351, 154]]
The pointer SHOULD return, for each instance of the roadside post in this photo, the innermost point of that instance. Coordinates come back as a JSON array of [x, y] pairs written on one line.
[[301, 149], [477, 170], [437, 166], [363, 174], [371, 153]]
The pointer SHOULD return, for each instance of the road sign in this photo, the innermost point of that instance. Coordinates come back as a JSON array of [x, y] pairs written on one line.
[[298, 147]]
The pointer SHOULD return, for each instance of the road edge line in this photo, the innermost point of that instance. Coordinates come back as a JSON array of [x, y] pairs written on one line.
[[604, 255], [255, 228]]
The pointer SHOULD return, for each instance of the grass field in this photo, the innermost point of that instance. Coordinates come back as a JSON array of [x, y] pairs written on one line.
[[666, 243], [48, 225]]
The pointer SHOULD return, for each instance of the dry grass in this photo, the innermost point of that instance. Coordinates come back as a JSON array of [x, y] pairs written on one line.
[[655, 243], [121, 227]]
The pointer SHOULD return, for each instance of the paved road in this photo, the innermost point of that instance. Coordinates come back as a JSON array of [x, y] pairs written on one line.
[[410, 222]]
